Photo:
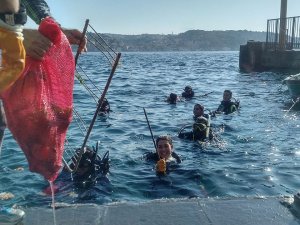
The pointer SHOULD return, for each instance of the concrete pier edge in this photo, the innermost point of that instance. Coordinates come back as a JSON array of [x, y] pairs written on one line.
[[204, 211], [256, 57]]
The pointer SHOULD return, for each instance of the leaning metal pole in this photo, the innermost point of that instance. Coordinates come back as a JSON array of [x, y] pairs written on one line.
[[98, 109]]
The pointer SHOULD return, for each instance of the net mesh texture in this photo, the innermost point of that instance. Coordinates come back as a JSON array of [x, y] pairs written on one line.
[[39, 105]]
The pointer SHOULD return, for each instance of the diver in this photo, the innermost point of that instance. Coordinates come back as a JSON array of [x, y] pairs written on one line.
[[164, 156], [199, 111], [200, 131], [188, 92], [105, 107], [90, 171], [173, 98], [227, 106], [90, 167]]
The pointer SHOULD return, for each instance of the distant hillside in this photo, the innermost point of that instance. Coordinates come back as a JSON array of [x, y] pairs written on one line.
[[192, 40]]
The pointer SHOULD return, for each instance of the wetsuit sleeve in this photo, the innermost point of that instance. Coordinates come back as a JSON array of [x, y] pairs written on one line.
[[151, 156], [186, 135], [175, 156], [220, 108], [36, 9]]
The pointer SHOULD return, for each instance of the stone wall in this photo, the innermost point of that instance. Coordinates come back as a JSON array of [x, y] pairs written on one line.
[[255, 57]]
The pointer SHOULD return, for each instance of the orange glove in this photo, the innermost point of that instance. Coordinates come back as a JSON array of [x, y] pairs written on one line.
[[12, 58], [161, 166]]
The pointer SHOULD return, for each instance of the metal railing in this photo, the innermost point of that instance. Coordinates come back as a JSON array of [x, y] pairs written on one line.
[[290, 38]]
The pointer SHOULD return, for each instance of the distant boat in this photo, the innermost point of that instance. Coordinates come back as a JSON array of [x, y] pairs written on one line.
[[293, 84]]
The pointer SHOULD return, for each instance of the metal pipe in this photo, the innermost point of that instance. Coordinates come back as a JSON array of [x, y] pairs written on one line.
[[282, 30]]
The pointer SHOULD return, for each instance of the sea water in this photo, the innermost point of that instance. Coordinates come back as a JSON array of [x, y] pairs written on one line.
[[259, 155]]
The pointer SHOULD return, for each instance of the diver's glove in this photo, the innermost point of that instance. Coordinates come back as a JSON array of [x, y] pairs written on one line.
[[161, 166]]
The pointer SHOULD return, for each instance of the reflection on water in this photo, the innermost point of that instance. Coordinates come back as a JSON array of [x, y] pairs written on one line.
[[259, 155]]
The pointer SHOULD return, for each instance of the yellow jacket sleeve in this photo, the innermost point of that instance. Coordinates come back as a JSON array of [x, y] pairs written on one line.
[[12, 57]]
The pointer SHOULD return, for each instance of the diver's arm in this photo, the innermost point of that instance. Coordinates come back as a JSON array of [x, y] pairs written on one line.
[[36, 9], [186, 135], [39, 9], [220, 109], [36, 46]]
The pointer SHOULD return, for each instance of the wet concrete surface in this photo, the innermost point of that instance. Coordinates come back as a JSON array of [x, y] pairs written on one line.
[[246, 211]]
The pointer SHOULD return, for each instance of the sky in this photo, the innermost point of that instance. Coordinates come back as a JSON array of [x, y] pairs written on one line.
[[167, 16]]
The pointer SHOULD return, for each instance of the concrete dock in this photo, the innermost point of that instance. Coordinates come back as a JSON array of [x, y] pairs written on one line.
[[246, 211]]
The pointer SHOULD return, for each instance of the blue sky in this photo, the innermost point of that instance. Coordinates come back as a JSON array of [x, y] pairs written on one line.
[[168, 16]]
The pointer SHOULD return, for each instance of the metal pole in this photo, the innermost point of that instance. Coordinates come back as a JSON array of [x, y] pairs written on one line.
[[276, 36], [267, 37], [282, 31], [150, 129], [81, 40], [101, 99], [293, 33], [97, 111]]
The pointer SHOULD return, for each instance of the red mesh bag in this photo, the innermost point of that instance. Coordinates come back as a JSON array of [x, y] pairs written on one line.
[[39, 105]]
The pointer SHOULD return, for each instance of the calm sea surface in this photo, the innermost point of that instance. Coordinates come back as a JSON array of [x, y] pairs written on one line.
[[259, 153]]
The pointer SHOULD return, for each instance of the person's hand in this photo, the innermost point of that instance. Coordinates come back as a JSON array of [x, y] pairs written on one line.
[[36, 45], [74, 37]]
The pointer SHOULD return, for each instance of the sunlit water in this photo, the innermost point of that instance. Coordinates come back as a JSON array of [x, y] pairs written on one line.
[[260, 153]]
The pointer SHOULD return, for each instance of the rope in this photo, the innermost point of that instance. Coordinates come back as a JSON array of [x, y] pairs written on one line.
[[294, 103]]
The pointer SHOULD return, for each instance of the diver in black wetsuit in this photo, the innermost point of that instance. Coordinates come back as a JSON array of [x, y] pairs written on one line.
[[188, 92], [201, 131], [105, 107], [227, 106], [90, 167], [164, 154], [173, 98], [199, 111]]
